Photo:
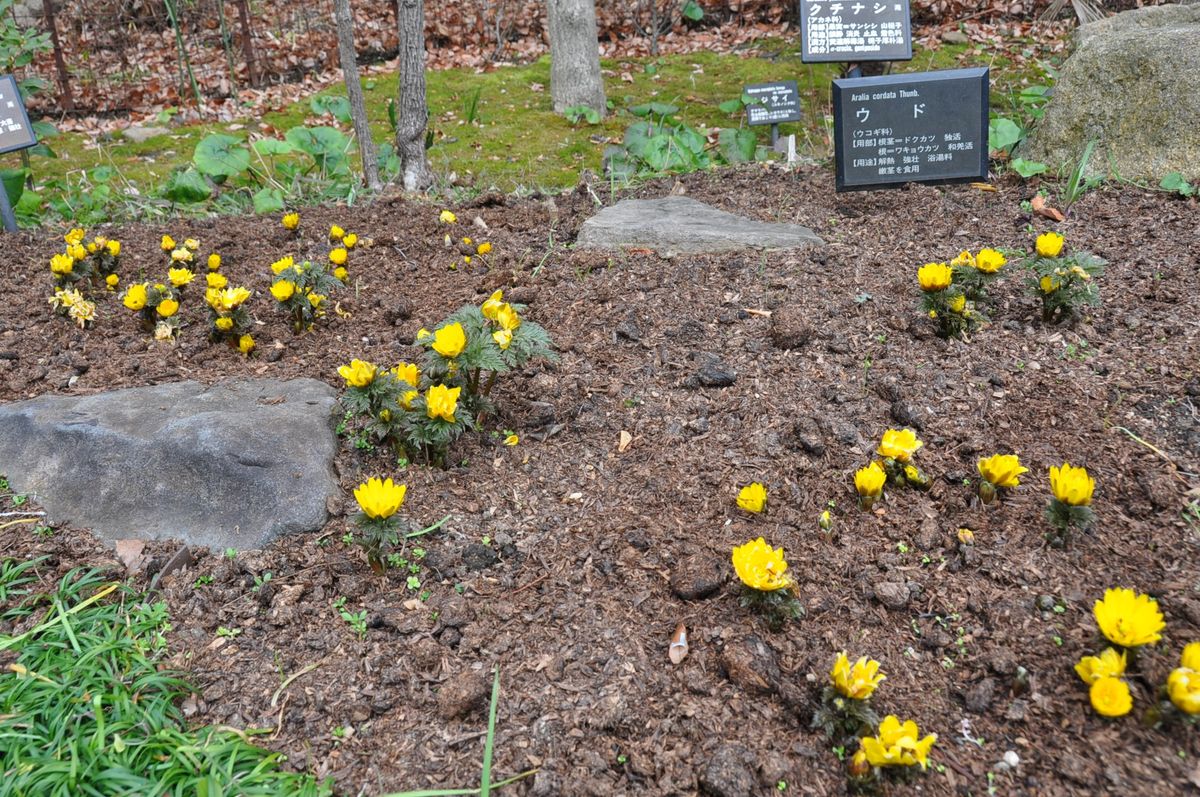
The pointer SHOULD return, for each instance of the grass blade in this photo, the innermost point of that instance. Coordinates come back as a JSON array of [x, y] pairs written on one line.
[[485, 781]]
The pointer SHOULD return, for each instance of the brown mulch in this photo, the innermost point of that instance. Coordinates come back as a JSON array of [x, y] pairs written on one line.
[[575, 595]]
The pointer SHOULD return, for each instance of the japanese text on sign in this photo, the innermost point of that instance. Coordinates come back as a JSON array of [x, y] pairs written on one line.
[[15, 130], [772, 103], [927, 127], [857, 30]]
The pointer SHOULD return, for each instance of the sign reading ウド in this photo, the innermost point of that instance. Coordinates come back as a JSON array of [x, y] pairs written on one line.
[[922, 127], [772, 103], [855, 30]]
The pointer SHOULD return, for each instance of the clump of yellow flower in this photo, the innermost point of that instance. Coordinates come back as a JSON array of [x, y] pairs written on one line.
[[215, 280], [167, 244], [290, 221], [349, 240], [899, 444], [408, 373], [380, 499], [446, 217], [752, 497], [1072, 486], [1110, 697], [869, 483], [1129, 619], [897, 744], [227, 299], [336, 233], [857, 681], [1183, 684], [760, 567], [62, 264], [990, 261], [337, 256], [214, 262], [180, 276], [1049, 244], [1001, 470], [359, 373], [181, 256], [441, 402], [112, 280], [450, 340], [283, 290], [934, 277], [75, 236], [1109, 664], [282, 264], [135, 296], [246, 344], [167, 308]]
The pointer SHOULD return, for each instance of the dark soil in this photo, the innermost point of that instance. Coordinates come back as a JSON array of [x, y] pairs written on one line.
[[564, 557]]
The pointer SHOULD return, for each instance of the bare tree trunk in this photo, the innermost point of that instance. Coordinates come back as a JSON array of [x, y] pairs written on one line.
[[358, 107], [414, 112], [575, 55]]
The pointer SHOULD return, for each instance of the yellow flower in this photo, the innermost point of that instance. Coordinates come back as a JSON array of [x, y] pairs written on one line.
[[1128, 619], [337, 256], [336, 233], [899, 444], [511, 440], [507, 318], [350, 240], [503, 338], [112, 280], [215, 280], [341, 273], [467, 259], [1190, 657], [869, 481], [224, 323], [214, 261], [423, 335], [379, 500], [359, 373], [1110, 697], [752, 497], [191, 243], [181, 256], [291, 221], [114, 248], [167, 308], [226, 299], [484, 248], [75, 236], [1183, 687], [282, 264], [76, 251], [1001, 470], [492, 306], [466, 241], [92, 247], [964, 258], [898, 744], [167, 244], [759, 567], [990, 261], [315, 300], [859, 681], [62, 264], [447, 217], [450, 340], [1048, 285], [957, 303], [441, 402], [180, 276], [1072, 486], [283, 290], [246, 344], [1109, 664], [406, 400], [408, 373], [934, 277], [1049, 244], [135, 296]]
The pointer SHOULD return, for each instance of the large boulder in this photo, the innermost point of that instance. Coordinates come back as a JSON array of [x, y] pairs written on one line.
[[679, 224], [233, 465], [1130, 85]]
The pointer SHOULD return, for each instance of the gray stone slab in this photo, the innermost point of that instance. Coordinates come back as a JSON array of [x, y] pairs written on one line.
[[678, 224], [233, 465]]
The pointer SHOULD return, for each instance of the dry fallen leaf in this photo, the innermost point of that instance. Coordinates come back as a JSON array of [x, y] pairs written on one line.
[[678, 650], [626, 440], [1038, 203], [983, 186]]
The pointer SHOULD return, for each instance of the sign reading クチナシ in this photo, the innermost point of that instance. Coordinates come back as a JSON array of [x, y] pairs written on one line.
[[772, 103], [855, 30], [921, 127]]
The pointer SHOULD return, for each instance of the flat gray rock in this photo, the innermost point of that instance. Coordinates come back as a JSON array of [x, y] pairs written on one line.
[[140, 134], [1130, 86], [679, 224], [233, 465]]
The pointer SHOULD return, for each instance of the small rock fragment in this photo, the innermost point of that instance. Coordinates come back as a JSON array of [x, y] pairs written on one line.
[[696, 577], [891, 594], [727, 773], [461, 694]]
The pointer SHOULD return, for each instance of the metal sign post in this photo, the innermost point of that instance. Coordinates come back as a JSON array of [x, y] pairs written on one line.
[[16, 132]]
